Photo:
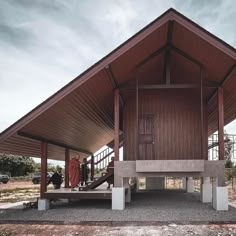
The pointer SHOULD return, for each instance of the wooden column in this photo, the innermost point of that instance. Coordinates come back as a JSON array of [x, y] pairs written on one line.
[[117, 122], [92, 168], [206, 131], [137, 123], [43, 184], [202, 116], [67, 159], [221, 123]]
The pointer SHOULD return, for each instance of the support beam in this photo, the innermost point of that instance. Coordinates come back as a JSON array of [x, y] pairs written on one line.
[[202, 114], [226, 78], [167, 67], [221, 123], [67, 159], [113, 81], [206, 131], [168, 52], [43, 181], [154, 54], [137, 123], [187, 56], [117, 122], [59, 144], [168, 86]]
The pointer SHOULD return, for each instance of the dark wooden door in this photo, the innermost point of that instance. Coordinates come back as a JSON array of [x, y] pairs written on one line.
[[146, 137]]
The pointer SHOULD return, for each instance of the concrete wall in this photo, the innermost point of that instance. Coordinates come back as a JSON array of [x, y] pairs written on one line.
[[169, 165], [128, 169]]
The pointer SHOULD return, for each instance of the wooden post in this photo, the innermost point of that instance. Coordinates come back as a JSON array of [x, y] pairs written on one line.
[[67, 159], [137, 123], [43, 184], [221, 123], [92, 168], [206, 131], [202, 115], [117, 122]]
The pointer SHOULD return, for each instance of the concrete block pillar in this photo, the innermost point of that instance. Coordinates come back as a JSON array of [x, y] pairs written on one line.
[[190, 185], [127, 187], [43, 204], [220, 198], [206, 190], [118, 198], [184, 183]]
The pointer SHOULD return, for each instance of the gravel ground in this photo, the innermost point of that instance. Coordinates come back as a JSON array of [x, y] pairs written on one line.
[[162, 230], [148, 207]]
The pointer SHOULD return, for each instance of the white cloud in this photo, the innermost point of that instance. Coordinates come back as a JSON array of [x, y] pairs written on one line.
[[45, 44]]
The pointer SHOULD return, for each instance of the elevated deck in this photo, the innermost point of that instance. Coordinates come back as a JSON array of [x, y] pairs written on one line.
[[66, 193]]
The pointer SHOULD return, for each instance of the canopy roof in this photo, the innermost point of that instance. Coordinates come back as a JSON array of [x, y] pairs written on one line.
[[80, 115]]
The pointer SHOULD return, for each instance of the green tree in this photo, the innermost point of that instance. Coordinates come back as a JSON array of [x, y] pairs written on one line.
[[16, 165], [228, 150]]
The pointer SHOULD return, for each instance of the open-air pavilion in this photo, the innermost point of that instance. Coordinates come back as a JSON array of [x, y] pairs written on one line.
[[159, 95]]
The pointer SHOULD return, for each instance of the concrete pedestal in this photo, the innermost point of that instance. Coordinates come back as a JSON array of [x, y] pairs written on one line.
[[220, 198], [126, 185], [190, 185], [184, 183], [43, 204], [128, 194], [118, 198], [206, 190]]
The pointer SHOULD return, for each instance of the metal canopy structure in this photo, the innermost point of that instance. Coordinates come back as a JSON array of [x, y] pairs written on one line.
[[80, 117]]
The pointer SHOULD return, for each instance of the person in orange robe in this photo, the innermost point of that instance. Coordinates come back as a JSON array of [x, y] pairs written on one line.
[[74, 172]]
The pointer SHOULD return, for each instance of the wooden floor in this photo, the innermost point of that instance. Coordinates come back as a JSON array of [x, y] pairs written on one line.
[[68, 194]]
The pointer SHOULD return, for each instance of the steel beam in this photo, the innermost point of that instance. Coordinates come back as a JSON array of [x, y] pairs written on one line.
[[227, 76], [221, 123], [168, 52], [67, 159], [43, 179], [113, 81], [186, 55], [117, 123], [168, 86], [137, 120], [154, 54], [202, 114], [92, 168]]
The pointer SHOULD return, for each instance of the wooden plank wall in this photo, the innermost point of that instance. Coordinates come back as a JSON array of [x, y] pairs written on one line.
[[177, 123]]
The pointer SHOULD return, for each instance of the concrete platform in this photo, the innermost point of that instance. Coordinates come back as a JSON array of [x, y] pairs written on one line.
[[66, 193]]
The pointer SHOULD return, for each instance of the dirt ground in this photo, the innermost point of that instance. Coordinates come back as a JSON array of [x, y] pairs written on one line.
[[86, 230], [18, 184]]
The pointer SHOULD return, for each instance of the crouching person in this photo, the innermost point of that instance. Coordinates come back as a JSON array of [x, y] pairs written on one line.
[[56, 179]]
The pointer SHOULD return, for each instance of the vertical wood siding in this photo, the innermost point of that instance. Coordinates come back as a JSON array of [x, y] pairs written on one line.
[[177, 124]]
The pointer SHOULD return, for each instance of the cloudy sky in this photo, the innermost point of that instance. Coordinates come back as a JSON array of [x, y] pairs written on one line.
[[45, 44]]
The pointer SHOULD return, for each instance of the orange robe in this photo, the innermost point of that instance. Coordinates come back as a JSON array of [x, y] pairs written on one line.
[[74, 172]]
